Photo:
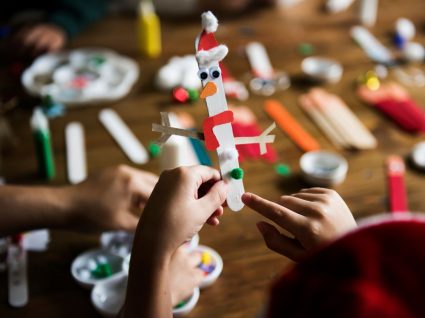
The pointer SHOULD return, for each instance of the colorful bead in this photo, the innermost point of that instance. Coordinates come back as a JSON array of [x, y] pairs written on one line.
[[237, 173]]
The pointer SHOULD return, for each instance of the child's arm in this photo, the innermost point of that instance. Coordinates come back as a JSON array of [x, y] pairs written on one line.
[[103, 202], [313, 216], [175, 212]]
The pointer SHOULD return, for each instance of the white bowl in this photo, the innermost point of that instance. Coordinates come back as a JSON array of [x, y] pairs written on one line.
[[108, 296], [188, 306], [323, 168], [80, 266], [216, 260], [322, 69]]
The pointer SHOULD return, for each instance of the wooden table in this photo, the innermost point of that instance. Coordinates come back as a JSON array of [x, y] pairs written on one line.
[[248, 265]]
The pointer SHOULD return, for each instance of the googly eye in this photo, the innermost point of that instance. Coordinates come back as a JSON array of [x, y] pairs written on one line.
[[203, 74], [215, 72]]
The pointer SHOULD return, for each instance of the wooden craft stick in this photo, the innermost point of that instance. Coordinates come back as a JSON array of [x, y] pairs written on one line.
[[397, 198], [290, 126], [259, 60], [317, 116]]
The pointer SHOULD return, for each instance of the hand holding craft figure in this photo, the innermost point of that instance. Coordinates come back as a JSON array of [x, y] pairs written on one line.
[[217, 129]]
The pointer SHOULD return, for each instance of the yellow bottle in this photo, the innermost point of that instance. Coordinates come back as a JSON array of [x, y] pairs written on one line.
[[149, 30]]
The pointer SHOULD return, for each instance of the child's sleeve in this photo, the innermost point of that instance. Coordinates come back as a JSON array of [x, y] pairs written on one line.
[[75, 15]]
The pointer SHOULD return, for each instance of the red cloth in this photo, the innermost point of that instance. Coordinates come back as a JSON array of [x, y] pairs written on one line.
[[375, 272], [211, 141]]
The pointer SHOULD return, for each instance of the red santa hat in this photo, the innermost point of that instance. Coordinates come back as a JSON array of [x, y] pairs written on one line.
[[375, 271], [207, 47]]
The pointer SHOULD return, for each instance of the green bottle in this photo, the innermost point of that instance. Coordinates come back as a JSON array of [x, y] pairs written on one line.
[[43, 144]]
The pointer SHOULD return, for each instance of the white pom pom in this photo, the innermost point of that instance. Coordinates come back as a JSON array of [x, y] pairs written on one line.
[[209, 22], [414, 52], [405, 28], [229, 154], [215, 54]]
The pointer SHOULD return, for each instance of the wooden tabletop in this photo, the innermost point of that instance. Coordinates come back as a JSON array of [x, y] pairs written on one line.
[[248, 265]]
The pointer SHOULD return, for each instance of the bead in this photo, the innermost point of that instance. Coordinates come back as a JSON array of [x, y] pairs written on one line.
[[154, 149], [180, 95], [283, 170]]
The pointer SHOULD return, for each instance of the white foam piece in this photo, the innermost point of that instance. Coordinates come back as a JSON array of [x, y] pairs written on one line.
[[75, 153], [371, 46], [177, 151], [368, 12], [123, 136], [259, 60]]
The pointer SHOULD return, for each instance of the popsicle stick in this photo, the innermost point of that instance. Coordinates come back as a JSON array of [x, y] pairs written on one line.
[[123, 136], [75, 153], [259, 60], [397, 197], [17, 275], [322, 122], [290, 126]]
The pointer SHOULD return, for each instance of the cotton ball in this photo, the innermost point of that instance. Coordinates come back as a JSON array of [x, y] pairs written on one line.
[[405, 28], [414, 52], [229, 154], [170, 75]]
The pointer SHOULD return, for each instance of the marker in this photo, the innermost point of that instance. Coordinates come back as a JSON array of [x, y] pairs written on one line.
[[123, 136], [75, 153], [43, 144], [149, 30]]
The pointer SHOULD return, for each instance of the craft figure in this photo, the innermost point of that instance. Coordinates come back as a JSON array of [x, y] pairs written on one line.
[[217, 130]]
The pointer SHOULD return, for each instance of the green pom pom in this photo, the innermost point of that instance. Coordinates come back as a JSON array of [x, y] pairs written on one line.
[[236, 173], [305, 49], [154, 149], [283, 170], [193, 94]]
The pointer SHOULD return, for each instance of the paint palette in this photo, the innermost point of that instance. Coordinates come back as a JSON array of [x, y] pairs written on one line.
[[94, 266], [81, 76]]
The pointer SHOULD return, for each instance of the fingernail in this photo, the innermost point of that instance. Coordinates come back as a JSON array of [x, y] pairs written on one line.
[[246, 197]]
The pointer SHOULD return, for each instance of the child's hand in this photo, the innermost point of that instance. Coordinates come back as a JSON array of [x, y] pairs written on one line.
[[107, 201], [313, 216], [40, 38], [185, 274], [177, 208]]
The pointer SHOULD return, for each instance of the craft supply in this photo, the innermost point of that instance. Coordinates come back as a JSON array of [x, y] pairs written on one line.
[[245, 124], [305, 49], [323, 168], [368, 12], [322, 69], [217, 129], [177, 151], [405, 29], [397, 197], [371, 46], [17, 274], [123, 136], [211, 264], [232, 87], [51, 108], [412, 76], [282, 170], [75, 153], [336, 120], [395, 102], [290, 125], [154, 150], [335, 6], [266, 80], [43, 144], [95, 265], [80, 76], [149, 30], [414, 52], [186, 306], [418, 155]]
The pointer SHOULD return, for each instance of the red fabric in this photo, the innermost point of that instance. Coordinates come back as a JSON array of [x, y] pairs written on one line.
[[376, 272], [207, 41], [211, 141], [406, 113], [251, 151]]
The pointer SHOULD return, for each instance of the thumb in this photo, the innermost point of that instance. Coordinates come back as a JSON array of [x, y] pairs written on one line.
[[214, 198]]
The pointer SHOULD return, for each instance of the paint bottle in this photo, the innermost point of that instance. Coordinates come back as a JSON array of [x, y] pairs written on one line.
[[149, 30], [43, 145]]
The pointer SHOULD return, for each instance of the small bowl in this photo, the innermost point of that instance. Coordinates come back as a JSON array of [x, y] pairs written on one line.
[[80, 266], [322, 69], [418, 155], [108, 296], [323, 168], [216, 260], [188, 306]]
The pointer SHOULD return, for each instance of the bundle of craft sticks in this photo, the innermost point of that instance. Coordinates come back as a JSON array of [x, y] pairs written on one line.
[[340, 125]]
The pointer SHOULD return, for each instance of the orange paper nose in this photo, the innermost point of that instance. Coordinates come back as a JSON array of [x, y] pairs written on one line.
[[209, 89]]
